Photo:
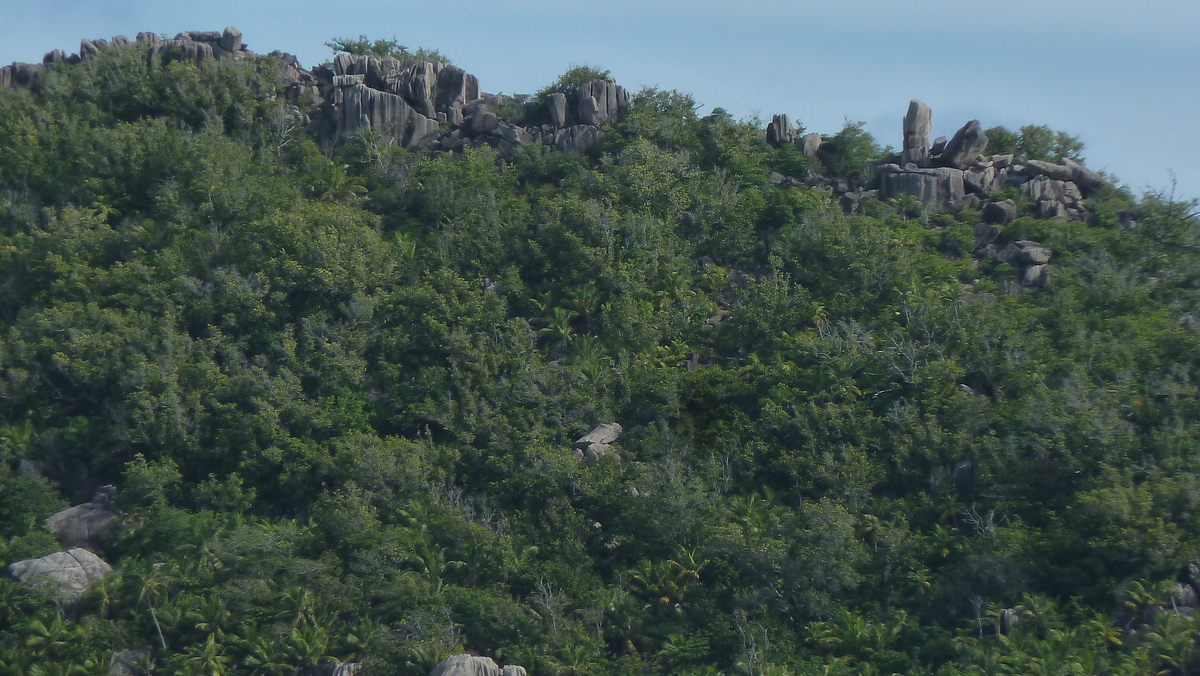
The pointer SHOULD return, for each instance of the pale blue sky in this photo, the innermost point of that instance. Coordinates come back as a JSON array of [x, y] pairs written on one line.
[[1123, 75]]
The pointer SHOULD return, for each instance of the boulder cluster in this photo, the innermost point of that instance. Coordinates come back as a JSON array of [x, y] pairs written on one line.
[[950, 173], [413, 103]]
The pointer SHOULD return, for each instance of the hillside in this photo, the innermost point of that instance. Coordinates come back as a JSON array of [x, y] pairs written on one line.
[[355, 368]]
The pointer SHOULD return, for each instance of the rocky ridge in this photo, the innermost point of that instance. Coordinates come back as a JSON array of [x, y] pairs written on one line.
[[440, 107]]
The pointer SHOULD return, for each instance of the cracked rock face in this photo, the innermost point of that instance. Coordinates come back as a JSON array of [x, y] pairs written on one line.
[[473, 665], [73, 570]]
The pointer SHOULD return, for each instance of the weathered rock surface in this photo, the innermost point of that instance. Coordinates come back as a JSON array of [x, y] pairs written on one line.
[[557, 103], [965, 147], [87, 524], [917, 125], [1000, 213], [602, 101], [780, 132], [332, 669], [473, 665], [809, 144], [932, 186], [597, 443], [73, 571]]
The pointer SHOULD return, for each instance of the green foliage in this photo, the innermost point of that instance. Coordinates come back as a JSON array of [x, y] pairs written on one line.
[[339, 396], [364, 46], [1034, 142]]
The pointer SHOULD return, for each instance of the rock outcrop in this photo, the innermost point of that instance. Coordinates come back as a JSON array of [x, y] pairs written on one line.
[[597, 443], [85, 525], [780, 132], [72, 571], [474, 665]]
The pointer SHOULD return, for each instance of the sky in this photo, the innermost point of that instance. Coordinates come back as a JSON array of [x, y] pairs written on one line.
[[1122, 75]]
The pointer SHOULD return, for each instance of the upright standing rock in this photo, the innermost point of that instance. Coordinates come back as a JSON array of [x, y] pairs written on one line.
[[557, 102], [918, 123], [780, 132]]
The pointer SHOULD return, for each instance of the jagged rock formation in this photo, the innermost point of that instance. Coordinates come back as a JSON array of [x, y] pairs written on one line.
[[72, 571], [416, 103], [85, 525], [780, 132]]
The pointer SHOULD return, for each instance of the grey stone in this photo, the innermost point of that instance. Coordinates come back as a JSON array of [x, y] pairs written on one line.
[[88, 48], [604, 433], [231, 39], [1051, 209], [1056, 172], [609, 102], [513, 670], [72, 571], [939, 145], [119, 41], [129, 662], [1002, 161], [966, 145], [85, 525], [1085, 178], [331, 669], [203, 36], [1034, 276], [53, 56], [576, 138], [467, 665], [917, 125], [1044, 188], [1000, 213], [980, 180], [1007, 620], [780, 132], [809, 144], [985, 234], [589, 111], [512, 133], [557, 103]]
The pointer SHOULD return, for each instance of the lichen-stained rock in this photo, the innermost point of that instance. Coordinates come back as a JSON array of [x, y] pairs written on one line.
[[917, 125], [981, 180], [73, 571], [780, 132], [964, 148]]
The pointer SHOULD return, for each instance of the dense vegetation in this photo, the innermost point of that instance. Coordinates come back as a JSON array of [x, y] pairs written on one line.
[[338, 389]]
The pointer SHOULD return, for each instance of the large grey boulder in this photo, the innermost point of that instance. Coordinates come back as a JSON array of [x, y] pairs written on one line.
[[809, 144], [1000, 213], [72, 571], [604, 433], [780, 132], [1056, 172], [591, 446], [931, 186], [473, 665], [85, 525], [917, 125], [231, 39], [964, 148]]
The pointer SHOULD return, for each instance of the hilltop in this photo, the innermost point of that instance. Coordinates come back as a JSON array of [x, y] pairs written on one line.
[[356, 368]]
